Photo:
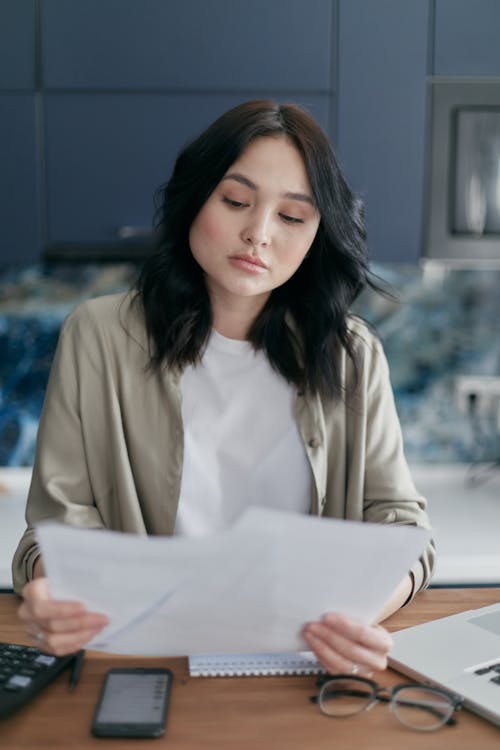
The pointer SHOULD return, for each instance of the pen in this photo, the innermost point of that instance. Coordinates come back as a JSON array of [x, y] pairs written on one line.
[[77, 668]]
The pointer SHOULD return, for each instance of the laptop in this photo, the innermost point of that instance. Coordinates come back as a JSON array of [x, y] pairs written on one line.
[[460, 653]]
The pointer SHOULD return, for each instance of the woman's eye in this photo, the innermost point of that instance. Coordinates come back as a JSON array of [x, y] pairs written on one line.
[[291, 219], [234, 204]]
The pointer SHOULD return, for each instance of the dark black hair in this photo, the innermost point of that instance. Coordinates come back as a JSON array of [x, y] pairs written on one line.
[[305, 321]]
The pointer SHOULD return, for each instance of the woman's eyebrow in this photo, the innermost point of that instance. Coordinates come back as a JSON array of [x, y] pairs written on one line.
[[238, 177]]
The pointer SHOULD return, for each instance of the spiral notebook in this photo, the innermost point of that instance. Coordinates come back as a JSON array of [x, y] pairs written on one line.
[[239, 665]]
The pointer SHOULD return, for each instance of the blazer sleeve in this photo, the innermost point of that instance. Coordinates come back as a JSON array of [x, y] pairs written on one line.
[[61, 488], [390, 495]]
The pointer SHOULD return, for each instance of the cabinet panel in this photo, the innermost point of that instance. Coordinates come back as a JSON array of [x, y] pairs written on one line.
[[220, 44], [19, 195], [107, 153], [17, 44], [467, 37], [381, 127]]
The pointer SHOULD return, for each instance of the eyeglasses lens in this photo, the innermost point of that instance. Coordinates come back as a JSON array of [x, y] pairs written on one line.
[[421, 708], [344, 697]]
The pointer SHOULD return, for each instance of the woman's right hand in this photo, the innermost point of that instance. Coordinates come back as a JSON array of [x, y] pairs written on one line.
[[58, 627]]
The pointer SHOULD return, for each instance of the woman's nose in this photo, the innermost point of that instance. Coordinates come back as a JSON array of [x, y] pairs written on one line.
[[257, 231]]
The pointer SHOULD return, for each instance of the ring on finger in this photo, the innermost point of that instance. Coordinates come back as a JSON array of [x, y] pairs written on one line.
[[354, 669]]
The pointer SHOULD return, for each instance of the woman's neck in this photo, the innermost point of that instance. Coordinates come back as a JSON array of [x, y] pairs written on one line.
[[232, 325], [233, 318]]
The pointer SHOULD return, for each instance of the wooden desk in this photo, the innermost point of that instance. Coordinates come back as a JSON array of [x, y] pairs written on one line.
[[249, 713]]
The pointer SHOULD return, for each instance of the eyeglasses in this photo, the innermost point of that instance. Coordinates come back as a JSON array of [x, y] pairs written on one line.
[[416, 706]]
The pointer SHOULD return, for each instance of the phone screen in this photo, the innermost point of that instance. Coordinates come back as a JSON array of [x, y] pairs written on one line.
[[133, 703]]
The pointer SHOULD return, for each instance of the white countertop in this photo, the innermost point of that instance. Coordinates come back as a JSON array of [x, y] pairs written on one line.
[[466, 522], [14, 485]]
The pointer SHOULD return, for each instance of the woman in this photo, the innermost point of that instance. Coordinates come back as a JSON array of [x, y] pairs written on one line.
[[233, 374]]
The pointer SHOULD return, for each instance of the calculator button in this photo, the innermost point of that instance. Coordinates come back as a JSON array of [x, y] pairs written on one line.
[[19, 680], [45, 660]]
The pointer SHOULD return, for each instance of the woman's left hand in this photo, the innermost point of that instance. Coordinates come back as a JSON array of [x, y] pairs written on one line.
[[344, 645]]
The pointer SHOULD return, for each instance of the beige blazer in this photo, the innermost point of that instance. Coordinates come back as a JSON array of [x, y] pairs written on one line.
[[110, 441]]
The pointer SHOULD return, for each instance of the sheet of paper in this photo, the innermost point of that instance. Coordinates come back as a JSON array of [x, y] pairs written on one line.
[[248, 589]]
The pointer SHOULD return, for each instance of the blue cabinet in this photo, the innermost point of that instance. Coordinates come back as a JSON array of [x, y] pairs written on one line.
[[19, 184], [19, 179], [128, 82], [209, 45], [381, 109], [118, 86], [17, 44], [467, 38]]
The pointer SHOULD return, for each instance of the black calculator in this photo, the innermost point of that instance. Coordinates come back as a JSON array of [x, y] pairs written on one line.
[[24, 671]]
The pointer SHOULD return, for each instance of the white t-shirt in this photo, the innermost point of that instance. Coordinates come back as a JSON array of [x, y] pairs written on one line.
[[242, 445]]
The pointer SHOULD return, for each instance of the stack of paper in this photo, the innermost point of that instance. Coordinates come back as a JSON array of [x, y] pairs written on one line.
[[248, 589]]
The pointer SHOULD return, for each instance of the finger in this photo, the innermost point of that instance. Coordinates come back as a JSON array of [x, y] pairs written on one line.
[[61, 644], [350, 651], [333, 662], [88, 621], [37, 602], [44, 617], [45, 610], [374, 655], [37, 587], [371, 636]]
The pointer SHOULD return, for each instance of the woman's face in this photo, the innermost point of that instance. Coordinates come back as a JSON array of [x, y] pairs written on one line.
[[256, 227]]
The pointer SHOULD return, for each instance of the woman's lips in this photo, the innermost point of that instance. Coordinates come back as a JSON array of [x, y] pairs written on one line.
[[249, 263]]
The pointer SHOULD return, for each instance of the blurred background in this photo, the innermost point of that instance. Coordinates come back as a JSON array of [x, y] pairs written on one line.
[[97, 97]]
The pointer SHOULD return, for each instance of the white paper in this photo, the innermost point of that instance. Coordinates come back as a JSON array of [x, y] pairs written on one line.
[[248, 589]]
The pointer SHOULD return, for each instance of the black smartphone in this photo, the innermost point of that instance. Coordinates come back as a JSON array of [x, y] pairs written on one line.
[[133, 703]]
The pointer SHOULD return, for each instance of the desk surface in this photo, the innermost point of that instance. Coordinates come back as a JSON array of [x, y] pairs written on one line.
[[246, 713]]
